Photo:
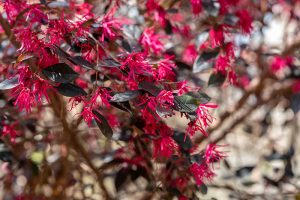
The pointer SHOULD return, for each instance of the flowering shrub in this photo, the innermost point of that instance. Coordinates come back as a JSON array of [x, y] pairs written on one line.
[[83, 66]]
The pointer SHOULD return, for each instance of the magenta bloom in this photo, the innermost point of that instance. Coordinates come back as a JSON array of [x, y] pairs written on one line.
[[280, 63], [196, 6], [213, 154], [245, 21], [201, 172], [216, 36], [151, 41]]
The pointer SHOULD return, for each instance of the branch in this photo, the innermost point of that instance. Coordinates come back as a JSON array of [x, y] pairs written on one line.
[[7, 29], [60, 112]]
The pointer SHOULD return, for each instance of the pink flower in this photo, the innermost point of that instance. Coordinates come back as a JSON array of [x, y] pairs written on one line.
[[36, 15], [201, 172], [296, 87], [182, 197], [9, 129], [229, 50], [245, 21], [280, 63], [165, 98], [87, 115], [137, 66], [111, 26], [196, 6], [151, 5], [25, 98], [164, 69], [202, 120], [190, 54], [212, 154], [150, 41], [164, 146], [182, 87], [243, 81], [224, 5], [180, 183], [39, 90], [222, 63], [216, 36], [13, 8], [156, 11], [100, 97], [232, 77]]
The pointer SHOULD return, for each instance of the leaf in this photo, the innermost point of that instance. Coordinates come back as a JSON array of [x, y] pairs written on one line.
[[70, 90], [78, 60], [174, 191], [6, 156], [183, 140], [125, 44], [139, 171], [210, 7], [43, 2], [10, 83], [58, 4], [103, 125], [216, 79], [168, 27], [201, 97], [186, 103], [149, 87], [61, 52], [121, 178], [197, 158], [203, 189], [60, 73], [125, 106], [204, 61], [244, 171], [125, 96], [163, 112], [231, 19], [183, 65], [109, 62], [294, 103]]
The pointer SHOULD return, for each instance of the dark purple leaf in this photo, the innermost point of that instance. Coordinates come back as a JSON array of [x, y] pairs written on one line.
[[125, 96], [60, 73], [70, 90], [10, 83], [103, 125]]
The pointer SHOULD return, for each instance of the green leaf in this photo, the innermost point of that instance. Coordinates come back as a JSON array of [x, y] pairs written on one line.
[[103, 125], [216, 79], [60, 73], [190, 101], [200, 96], [203, 189], [70, 90], [185, 103]]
